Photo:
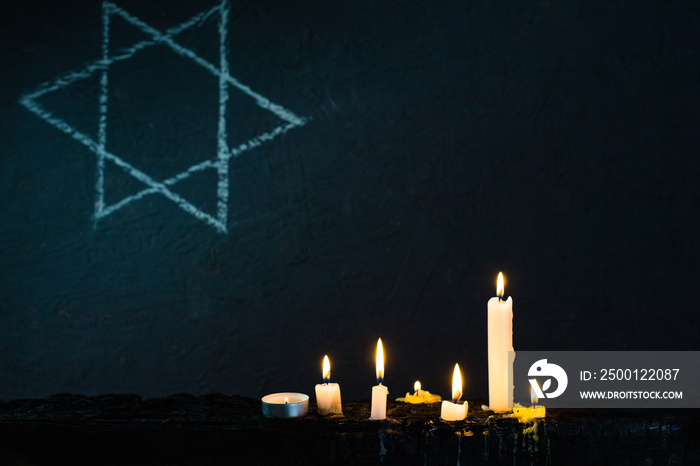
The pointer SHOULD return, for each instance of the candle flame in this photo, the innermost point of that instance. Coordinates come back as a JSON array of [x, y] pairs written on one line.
[[286, 400], [533, 396], [416, 386], [380, 362], [326, 369], [499, 286], [456, 384]]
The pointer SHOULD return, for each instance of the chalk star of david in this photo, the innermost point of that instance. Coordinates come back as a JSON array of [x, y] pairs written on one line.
[[98, 146]]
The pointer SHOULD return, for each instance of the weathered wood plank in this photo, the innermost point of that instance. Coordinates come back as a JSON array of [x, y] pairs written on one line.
[[219, 429]]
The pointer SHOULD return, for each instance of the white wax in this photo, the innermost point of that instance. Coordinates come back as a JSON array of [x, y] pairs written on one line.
[[328, 399], [379, 394], [500, 338], [453, 411], [285, 398]]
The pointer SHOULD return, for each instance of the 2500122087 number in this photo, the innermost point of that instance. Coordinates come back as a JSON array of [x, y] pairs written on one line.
[[639, 374]]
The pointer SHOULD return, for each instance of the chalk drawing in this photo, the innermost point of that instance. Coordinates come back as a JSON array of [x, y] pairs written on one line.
[[220, 163]]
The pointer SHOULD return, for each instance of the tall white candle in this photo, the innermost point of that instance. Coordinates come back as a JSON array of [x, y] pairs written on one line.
[[379, 391], [500, 340], [454, 411], [328, 394]]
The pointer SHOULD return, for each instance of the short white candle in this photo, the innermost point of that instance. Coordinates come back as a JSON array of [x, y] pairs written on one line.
[[454, 411], [379, 391], [500, 340], [379, 395], [328, 394]]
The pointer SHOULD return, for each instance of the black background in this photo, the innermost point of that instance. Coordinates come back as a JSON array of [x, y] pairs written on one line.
[[555, 141]]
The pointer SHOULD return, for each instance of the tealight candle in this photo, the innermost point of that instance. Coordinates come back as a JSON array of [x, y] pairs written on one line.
[[328, 394], [455, 411], [379, 391], [285, 405], [500, 341]]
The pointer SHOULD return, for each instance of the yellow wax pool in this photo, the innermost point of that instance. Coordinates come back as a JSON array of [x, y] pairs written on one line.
[[527, 414], [421, 396]]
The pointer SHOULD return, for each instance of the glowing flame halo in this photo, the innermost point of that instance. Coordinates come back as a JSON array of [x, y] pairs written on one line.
[[456, 384], [326, 369], [500, 288], [380, 362]]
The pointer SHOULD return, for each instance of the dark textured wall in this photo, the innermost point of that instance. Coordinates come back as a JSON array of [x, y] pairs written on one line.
[[445, 141]]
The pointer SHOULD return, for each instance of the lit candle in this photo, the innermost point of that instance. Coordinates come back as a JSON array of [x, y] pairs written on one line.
[[285, 405], [328, 394], [500, 339], [533, 412], [379, 391], [454, 411], [419, 396]]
